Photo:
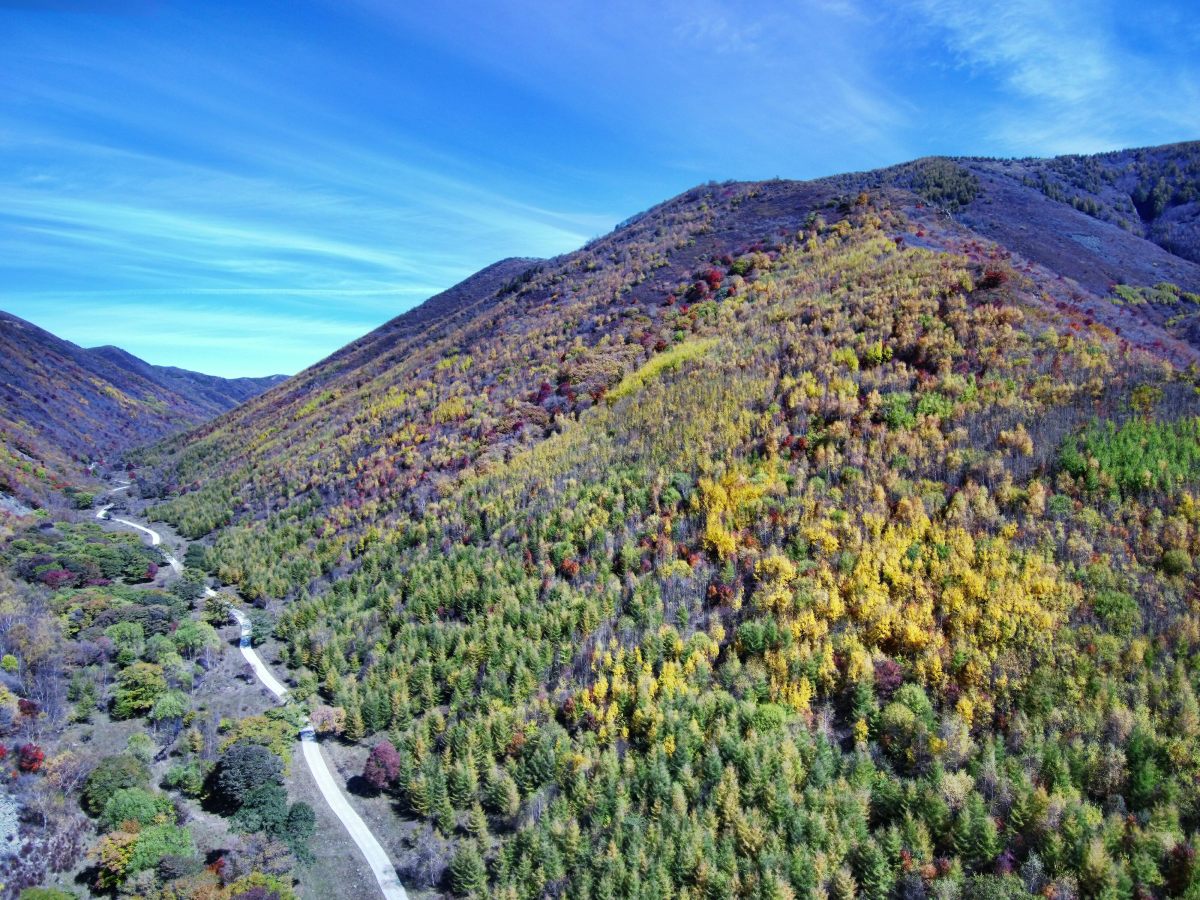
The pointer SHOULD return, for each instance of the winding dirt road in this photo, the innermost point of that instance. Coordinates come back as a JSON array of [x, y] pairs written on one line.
[[256, 663], [376, 857], [155, 537]]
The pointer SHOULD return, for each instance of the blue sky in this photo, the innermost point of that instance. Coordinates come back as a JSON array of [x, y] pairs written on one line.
[[242, 188]]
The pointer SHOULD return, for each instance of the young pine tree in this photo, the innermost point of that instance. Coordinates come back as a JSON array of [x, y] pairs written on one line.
[[468, 873]]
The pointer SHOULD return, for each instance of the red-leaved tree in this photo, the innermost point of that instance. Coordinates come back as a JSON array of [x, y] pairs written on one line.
[[30, 757], [57, 578], [383, 766]]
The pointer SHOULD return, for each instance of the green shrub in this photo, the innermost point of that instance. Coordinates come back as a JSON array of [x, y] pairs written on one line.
[[263, 808], [501, 794], [1059, 505], [934, 404], [112, 774], [197, 557], [156, 842], [898, 727], [140, 745], [914, 697], [896, 411], [134, 805], [1139, 456], [138, 688], [468, 874], [846, 356], [876, 354], [169, 707], [298, 829], [187, 778], [243, 769], [191, 638], [769, 717], [262, 626], [1163, 294], [1117, 610], [1176, 562], [941, 182]]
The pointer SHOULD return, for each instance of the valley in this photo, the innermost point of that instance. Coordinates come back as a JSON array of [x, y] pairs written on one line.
[[599, 451], [67, 410]]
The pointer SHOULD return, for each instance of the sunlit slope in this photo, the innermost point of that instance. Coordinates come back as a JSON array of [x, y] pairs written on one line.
[[866, 567], [501, 360]]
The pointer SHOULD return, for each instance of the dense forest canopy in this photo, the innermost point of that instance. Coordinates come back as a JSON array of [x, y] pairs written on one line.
[[854, 566]]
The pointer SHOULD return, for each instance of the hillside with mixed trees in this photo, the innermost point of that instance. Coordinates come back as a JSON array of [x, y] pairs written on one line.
[[1084, 217], [63, 407], [789, 539], [794, 539]]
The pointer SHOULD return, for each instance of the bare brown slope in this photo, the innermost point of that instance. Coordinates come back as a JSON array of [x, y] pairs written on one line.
[[1127, 218]]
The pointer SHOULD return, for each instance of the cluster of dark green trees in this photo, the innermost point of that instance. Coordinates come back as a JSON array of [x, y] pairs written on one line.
[[75, 555]]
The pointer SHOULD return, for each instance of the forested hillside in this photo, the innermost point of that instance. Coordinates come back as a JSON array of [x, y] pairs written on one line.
[[789, 541], [1106, 221], [64, 407]]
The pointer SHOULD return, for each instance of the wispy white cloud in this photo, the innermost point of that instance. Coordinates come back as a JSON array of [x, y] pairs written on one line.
[[122, 191], [695, 76], [213, 162], [721, 31], [1071, 79], [1046, 50]]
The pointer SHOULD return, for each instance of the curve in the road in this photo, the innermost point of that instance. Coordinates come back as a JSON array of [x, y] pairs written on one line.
[[360, 833], [155, 537], [372, 851], [255, 661]]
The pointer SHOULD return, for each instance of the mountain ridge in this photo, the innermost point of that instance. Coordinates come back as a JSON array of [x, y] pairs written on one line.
[[66, 406], [215, 390], [794, 539], [944, 199], [1092, 251]]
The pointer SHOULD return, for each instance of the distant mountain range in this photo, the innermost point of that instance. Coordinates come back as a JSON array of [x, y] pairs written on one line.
[[63, 406]]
